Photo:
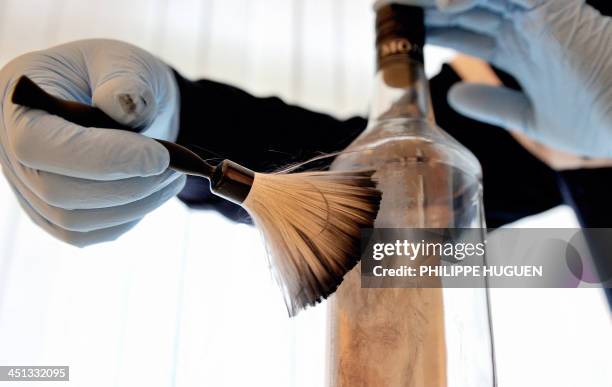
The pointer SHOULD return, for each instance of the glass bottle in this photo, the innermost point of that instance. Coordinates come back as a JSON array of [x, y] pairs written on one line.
[[411, 337]]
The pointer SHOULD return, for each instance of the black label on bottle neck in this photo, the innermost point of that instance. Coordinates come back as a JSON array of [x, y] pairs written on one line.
[[398, 48]]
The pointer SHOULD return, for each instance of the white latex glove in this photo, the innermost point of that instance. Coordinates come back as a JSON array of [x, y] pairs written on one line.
[[90, 185], [561, 53]]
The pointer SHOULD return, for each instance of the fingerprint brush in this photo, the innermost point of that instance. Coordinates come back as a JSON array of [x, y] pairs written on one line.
[[311, 221]]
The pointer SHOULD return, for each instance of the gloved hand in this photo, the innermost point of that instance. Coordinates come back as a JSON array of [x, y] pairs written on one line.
[[89, 185], [561, 53]]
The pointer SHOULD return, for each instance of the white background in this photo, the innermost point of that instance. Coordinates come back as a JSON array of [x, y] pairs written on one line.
[[185, 298]]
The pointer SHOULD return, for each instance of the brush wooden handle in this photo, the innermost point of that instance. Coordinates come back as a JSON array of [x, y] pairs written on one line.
[[29, 94]]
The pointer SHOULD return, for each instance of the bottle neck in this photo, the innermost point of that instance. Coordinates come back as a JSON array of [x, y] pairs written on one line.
[[401, 88]]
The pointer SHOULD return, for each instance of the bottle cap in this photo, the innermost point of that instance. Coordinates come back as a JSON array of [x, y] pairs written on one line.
[[400, 21]]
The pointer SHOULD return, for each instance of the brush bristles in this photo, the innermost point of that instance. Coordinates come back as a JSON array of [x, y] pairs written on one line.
[[312, 223]]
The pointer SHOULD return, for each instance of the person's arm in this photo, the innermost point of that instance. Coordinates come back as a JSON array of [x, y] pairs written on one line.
[[265, 133], [220, 121], [581, 184]]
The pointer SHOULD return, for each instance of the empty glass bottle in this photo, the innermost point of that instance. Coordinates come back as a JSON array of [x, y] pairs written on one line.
[[411, 337]]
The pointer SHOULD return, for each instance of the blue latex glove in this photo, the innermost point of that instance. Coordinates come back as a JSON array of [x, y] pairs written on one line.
[[561, 53], [90, 185]]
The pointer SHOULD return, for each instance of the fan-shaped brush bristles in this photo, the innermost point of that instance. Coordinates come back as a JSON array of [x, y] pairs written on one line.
[[311, 223]]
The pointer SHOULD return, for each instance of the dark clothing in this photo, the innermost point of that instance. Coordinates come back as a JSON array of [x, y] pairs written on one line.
[[220, 121]]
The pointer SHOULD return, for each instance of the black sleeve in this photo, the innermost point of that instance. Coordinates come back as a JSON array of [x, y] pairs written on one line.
[[220, 121], [588, 191]]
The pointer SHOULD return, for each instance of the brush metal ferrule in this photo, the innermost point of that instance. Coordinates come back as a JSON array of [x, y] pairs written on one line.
[[232, 181]]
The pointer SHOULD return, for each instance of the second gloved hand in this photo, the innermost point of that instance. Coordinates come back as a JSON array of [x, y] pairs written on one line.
[[90, 185], [561, 53]]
